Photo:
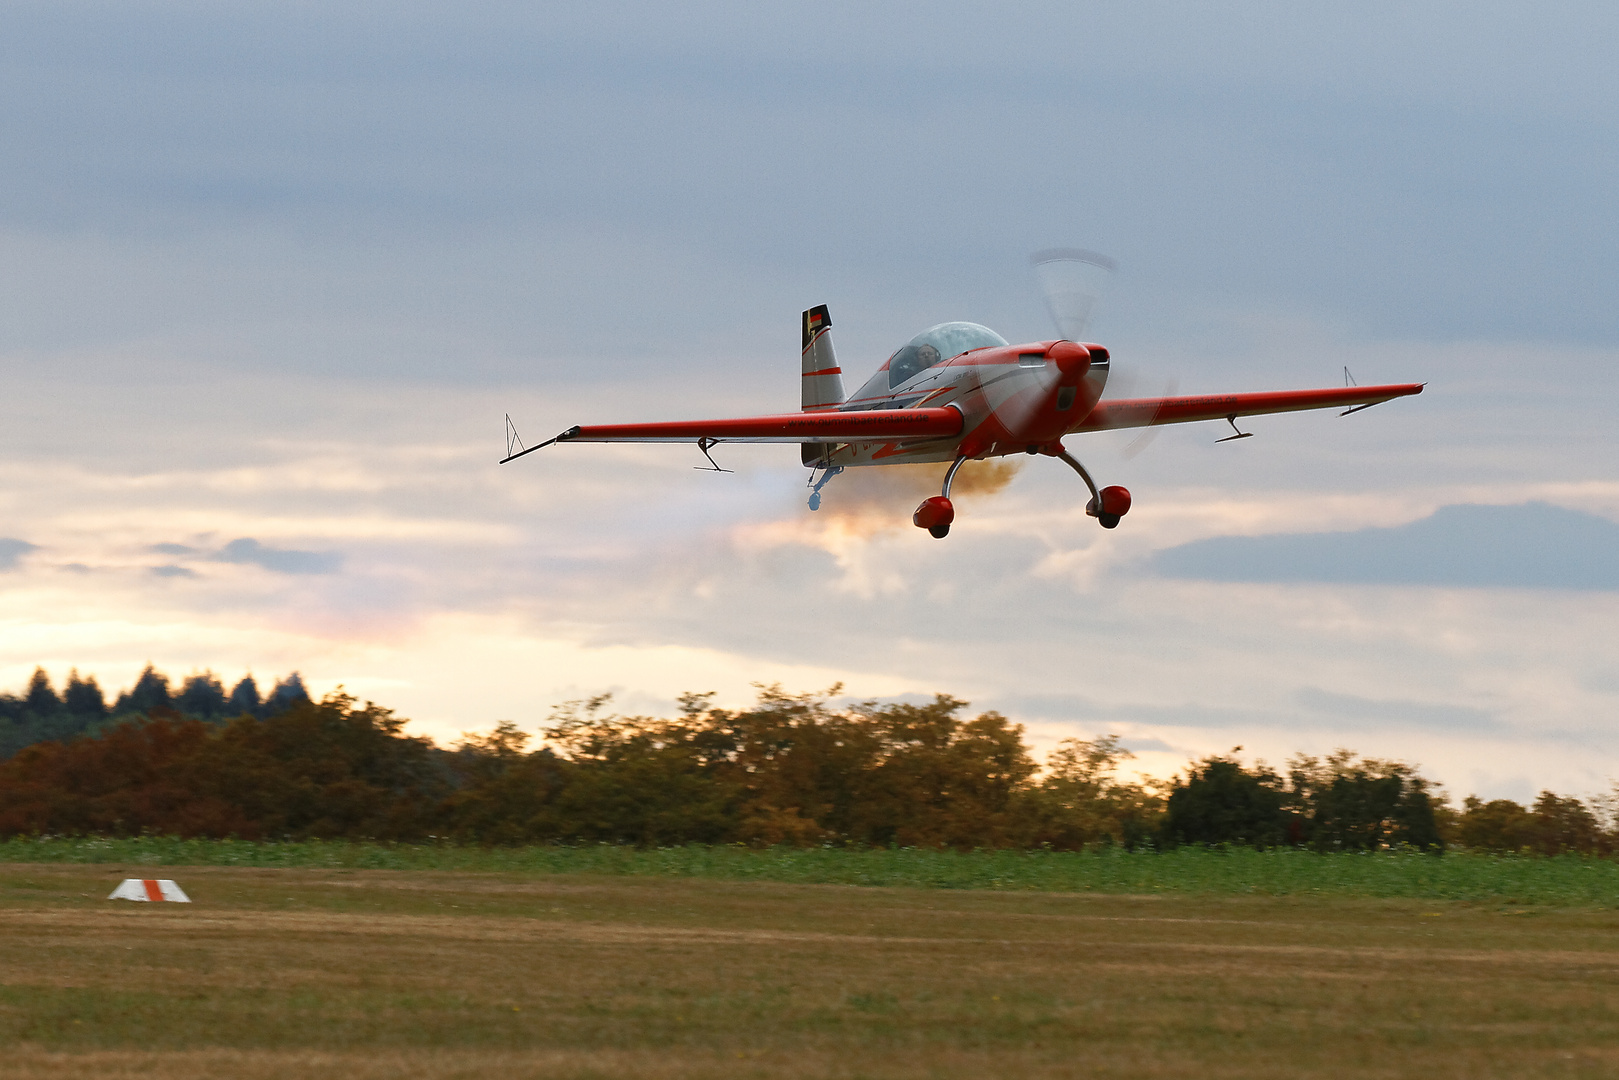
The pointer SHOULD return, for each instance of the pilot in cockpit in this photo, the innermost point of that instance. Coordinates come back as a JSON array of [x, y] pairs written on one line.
[[910, 360]]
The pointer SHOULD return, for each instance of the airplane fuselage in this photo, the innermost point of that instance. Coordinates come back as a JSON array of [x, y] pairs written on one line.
[[1013, 398]]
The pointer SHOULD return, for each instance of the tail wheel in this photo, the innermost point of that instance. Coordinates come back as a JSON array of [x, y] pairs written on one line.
[[1108, 521], [939, 532]]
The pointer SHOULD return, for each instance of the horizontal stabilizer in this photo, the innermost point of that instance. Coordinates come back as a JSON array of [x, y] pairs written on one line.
[[1148, 412], [832, 426]]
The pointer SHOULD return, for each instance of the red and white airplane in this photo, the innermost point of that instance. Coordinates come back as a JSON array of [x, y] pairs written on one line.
[[960, 392]]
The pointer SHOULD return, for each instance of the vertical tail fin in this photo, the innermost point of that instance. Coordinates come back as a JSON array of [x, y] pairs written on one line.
[[822, 384]]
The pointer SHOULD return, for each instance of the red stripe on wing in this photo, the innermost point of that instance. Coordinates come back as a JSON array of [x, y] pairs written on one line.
[[872, 425]]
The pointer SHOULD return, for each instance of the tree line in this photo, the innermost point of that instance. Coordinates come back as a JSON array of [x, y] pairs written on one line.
[[790, 769], [40, 713]]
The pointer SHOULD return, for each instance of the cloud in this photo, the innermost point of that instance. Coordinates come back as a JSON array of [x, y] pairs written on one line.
[[1391, 712], [1533, 545], [279, 560], [172, 571], [11, 551], [171, 549]]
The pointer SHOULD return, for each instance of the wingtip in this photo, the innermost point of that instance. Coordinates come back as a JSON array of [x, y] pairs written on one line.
[[564, 437]]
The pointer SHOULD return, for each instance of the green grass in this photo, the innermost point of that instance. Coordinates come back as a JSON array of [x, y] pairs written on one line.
[[1510, 879]]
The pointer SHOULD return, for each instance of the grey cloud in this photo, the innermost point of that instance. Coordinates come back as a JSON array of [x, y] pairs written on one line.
[[1606, 682], [1288, 178], [171, 549], [12, 551], [279, 560], [172, 571], [1385, 712], [1533, 545]]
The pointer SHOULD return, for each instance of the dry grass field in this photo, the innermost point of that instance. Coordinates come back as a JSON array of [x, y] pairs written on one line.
[[371, 973]]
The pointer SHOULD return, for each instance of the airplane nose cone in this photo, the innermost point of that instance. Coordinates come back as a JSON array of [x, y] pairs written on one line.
[[1072, 360]]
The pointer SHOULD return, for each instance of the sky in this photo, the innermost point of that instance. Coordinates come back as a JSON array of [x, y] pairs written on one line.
[[273, 275]]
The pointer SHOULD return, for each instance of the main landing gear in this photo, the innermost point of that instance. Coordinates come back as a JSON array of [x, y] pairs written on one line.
[[1107, 505], [936, 514]]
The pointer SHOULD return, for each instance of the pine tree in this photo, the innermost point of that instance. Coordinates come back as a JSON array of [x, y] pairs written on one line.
[[203, 696], [83, 697], [40, 699], [287, 693], [151, 691], [244, 700]]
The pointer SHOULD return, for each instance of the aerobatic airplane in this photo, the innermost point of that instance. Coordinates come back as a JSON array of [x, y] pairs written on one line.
[[960, 392]]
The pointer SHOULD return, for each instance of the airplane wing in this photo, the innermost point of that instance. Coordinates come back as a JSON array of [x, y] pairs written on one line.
[[1147, 412], [821, 426]]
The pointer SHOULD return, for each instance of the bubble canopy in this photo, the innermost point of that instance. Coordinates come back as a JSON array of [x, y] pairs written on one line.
[[938, 343]]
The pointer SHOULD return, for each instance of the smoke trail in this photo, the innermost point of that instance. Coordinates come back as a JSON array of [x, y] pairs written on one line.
[[868, 500]]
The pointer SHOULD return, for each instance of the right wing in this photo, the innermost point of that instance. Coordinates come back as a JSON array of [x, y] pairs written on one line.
[[1149, 412], [821, 426]]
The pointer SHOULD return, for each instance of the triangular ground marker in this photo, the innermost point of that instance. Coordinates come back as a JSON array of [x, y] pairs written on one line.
[[149, 889]]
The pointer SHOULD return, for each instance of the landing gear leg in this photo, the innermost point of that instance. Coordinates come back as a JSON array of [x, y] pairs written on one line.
[[1108, 505], [816, 486], [936, 514], [950, 477]]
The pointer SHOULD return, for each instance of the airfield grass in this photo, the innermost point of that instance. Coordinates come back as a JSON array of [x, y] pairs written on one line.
[[333, 970], [1511, 879]]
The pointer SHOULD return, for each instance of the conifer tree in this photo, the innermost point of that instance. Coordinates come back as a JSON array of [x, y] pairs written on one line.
[[40, 699], [151, 691], [244, 699], [204, 696], [83, 697], [287, 693]]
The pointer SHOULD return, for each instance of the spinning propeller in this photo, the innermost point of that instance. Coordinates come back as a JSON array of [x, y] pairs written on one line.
[[1028, 401], [1071, 281]]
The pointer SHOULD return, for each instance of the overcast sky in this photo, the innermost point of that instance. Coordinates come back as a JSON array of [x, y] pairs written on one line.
[[271, 275]]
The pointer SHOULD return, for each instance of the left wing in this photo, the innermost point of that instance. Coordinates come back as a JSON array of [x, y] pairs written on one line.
[[1148, 412], [821, 426]]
